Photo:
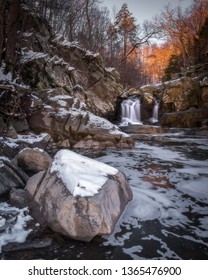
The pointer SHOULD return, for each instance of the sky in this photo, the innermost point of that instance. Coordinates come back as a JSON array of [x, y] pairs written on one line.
[[144, 9]]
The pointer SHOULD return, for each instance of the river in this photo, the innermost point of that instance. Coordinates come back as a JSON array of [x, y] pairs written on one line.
[[168, 217]]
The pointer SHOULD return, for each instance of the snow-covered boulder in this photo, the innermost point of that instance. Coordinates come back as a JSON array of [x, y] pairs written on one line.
[[80, 197], [75, 125]]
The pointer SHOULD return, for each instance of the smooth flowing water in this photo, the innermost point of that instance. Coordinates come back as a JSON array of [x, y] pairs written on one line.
[[155, 112], [131, 112], [168, 217]]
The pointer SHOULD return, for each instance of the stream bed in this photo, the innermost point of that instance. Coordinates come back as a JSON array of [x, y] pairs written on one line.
[[168, 217]]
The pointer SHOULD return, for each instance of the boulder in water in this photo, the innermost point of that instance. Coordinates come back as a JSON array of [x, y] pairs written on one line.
[[80, 197]]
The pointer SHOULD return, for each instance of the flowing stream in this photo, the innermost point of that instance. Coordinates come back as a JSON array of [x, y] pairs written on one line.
[[168, 217]]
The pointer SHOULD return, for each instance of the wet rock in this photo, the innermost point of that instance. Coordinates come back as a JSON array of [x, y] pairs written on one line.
[[34, 160], [35, 244], [84, 205], [10, 176]]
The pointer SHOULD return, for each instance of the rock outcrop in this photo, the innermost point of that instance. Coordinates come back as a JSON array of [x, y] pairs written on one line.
[[65, 68], [80, 197], [186, 119], [77, 125]]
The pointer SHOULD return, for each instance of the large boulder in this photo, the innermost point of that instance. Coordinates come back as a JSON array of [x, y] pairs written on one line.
[[10, 176], [75, 125], [80, 197], [33, 160]]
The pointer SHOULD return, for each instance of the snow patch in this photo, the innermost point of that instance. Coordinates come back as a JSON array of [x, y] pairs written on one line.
[[109, 69], [13, 224], [82, 176], [30, 55], [5, 77]]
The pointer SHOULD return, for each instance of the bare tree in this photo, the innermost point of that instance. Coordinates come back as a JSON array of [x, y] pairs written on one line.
[[12, 26]]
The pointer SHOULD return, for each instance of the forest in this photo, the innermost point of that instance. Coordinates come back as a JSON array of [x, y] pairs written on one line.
[[123, 43]]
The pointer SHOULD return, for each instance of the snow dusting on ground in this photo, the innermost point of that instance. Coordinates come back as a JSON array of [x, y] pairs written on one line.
[[81, 175], [27, 138], [13, 224]]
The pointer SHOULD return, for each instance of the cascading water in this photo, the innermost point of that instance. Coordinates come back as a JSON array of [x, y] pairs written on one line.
[[155, 112], [131, 112]]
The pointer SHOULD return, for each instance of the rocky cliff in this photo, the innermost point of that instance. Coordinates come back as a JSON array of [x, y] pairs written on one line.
[[52, 66], [61, 89]]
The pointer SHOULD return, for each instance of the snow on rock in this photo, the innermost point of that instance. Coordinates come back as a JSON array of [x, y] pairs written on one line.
[[81, 175], [100, 124], [76, 124], [80, 197], [30, 139], [30, 55], [13, 224], [5, 77]]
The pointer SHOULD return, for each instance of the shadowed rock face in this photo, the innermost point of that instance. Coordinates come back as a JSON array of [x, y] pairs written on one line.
[[10, 176], [186, 119], [66, 67], [80, 217]]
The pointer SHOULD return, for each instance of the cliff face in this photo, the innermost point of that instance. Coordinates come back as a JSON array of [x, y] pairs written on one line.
[[62, 89], [52, 66]]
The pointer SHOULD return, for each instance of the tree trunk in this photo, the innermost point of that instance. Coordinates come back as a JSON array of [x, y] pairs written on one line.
[[124, 57], [13, 18], [89, 43], [1, 28], [183, 52]]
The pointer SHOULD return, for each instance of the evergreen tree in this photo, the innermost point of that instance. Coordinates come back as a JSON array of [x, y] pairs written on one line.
[[126, 28]]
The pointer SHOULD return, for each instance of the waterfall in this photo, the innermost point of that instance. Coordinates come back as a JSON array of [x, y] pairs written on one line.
[[155, 112], [131, 113]]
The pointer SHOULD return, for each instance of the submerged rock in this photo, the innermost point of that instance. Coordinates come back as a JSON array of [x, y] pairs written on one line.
[[80, 197]]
